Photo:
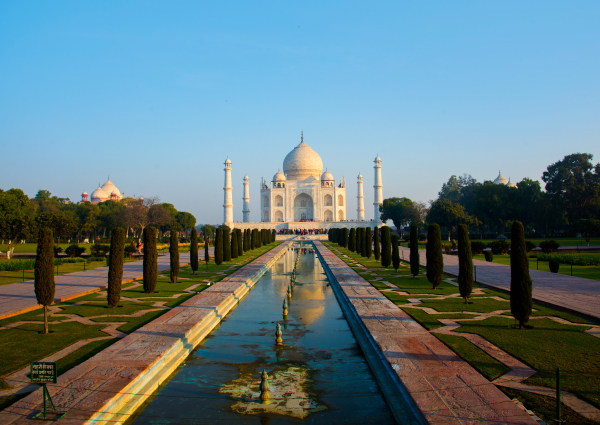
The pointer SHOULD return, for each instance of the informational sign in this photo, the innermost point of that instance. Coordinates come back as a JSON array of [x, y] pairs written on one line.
[[43, 373]]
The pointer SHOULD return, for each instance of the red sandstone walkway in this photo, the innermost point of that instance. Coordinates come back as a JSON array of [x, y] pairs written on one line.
[[17, 298], [445, 388], [573, 293]]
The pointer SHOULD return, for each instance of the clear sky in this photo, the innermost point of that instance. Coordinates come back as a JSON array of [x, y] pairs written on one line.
[[158, 93]]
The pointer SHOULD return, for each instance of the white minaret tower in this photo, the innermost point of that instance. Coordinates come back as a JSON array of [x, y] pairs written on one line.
[[360, 209], [228, 198], [246, 199], [378, 189]]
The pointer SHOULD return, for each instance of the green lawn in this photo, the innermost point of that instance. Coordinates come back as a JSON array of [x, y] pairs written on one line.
[[536, 241], [23, 344]]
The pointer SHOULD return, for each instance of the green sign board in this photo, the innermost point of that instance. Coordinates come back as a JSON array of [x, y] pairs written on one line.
[[43, 373]]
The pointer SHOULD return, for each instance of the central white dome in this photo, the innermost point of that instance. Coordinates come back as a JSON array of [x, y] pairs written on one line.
[[302, 162]]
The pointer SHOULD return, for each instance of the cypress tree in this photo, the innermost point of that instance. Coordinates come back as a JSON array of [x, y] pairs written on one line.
[[44, 272], [358, 240], [345, 237], [341, 237], [363, 242], [329, 235], [206, 255], [246, 239], [465, 263], [226, 244], [115, 266], [219, 246], [395, 253], [435, 259], [253, 239], [333, 235], [352, 240], [240, 250], [150, 259], [194, 251], [174, 254], [386, 247], [258, 240], [368, 242], [234, 244], [264, 237], [273, 235], [414, 251], [377, 250], [520, 282], [249, 241]]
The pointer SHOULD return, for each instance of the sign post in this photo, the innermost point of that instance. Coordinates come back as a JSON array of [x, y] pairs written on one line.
[[45, 373]]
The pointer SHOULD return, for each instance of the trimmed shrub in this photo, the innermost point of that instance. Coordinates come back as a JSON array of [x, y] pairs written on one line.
[[194, 251], [75, 250], [414, 251], [174, 255], [234, 245], [465, 263], [352, 240], [115, 267], [57, 250], [395, 253], [448, 249], [521, 301], [218, 246], [549, 246], [554, 266], [376, 245], [386, 247], [226, 244], [96, 250], [435, 259], [44, 272], [150, 260], [529, 246], [368, 243], [477, 247], [422, 237], [499, 246], [240, 242], [129, 250], [489, 256]]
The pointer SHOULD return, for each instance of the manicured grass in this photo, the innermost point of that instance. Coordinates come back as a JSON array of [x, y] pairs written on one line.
[[476, 305], [587, 272], [547, 346], [132, 324], [479, 359], [100, 309]]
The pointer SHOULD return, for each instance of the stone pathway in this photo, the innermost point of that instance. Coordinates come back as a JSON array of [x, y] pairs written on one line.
[[568, 292], [109, 386], [445, 388], [17, 298]]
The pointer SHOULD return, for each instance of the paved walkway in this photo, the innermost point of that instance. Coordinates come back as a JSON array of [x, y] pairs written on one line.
[[445, 388], [17, 298], [572, 293]]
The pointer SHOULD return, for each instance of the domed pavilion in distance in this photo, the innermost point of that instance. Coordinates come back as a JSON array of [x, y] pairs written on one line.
[[107, 192], [302, 196]]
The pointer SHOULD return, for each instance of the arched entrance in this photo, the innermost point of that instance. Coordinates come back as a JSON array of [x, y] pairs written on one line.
[[303, 207], [328, 215]]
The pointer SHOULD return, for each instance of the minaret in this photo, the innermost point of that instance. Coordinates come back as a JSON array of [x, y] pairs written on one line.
[[360, 209], [228, 198], [246, 199], [378, 189]]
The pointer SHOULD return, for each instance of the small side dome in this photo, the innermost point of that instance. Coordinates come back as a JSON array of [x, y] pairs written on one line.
[[84, 193], [511, 184], [279, 177], [326, 176]]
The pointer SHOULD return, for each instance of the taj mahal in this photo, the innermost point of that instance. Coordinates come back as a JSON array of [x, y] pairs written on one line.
[[302, 196]]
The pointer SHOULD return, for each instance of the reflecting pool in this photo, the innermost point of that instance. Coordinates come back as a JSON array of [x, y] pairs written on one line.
[[318, 375]]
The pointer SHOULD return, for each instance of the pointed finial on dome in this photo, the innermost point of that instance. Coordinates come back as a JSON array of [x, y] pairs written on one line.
[[301, 136]]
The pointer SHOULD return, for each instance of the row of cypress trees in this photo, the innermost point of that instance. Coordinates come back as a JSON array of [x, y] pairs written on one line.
[[228, 247]]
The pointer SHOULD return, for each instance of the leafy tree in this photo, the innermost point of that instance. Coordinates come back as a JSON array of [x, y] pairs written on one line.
[[352, 240], [448, 214], [435, 258], [465, 263], [414, 251], [194, 251], [368, 242], [240, 242], [395, 253], [16, 216], [88, 216], [44, 272], [494, 205], [226, 244], [43, 195], [574, 184], [234, 244], [520, 282], [401, 211], [150, 259], [186, 220], [587, 227], [115, 267], [376, 244], [61, 224], [110, 213], [386, 247], [450, 191], [219, 246]]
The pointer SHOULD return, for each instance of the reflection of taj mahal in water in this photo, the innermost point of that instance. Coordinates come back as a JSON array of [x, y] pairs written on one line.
[[303, 196]]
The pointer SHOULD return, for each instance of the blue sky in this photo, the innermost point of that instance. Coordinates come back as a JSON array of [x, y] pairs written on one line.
[[158, 94]]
